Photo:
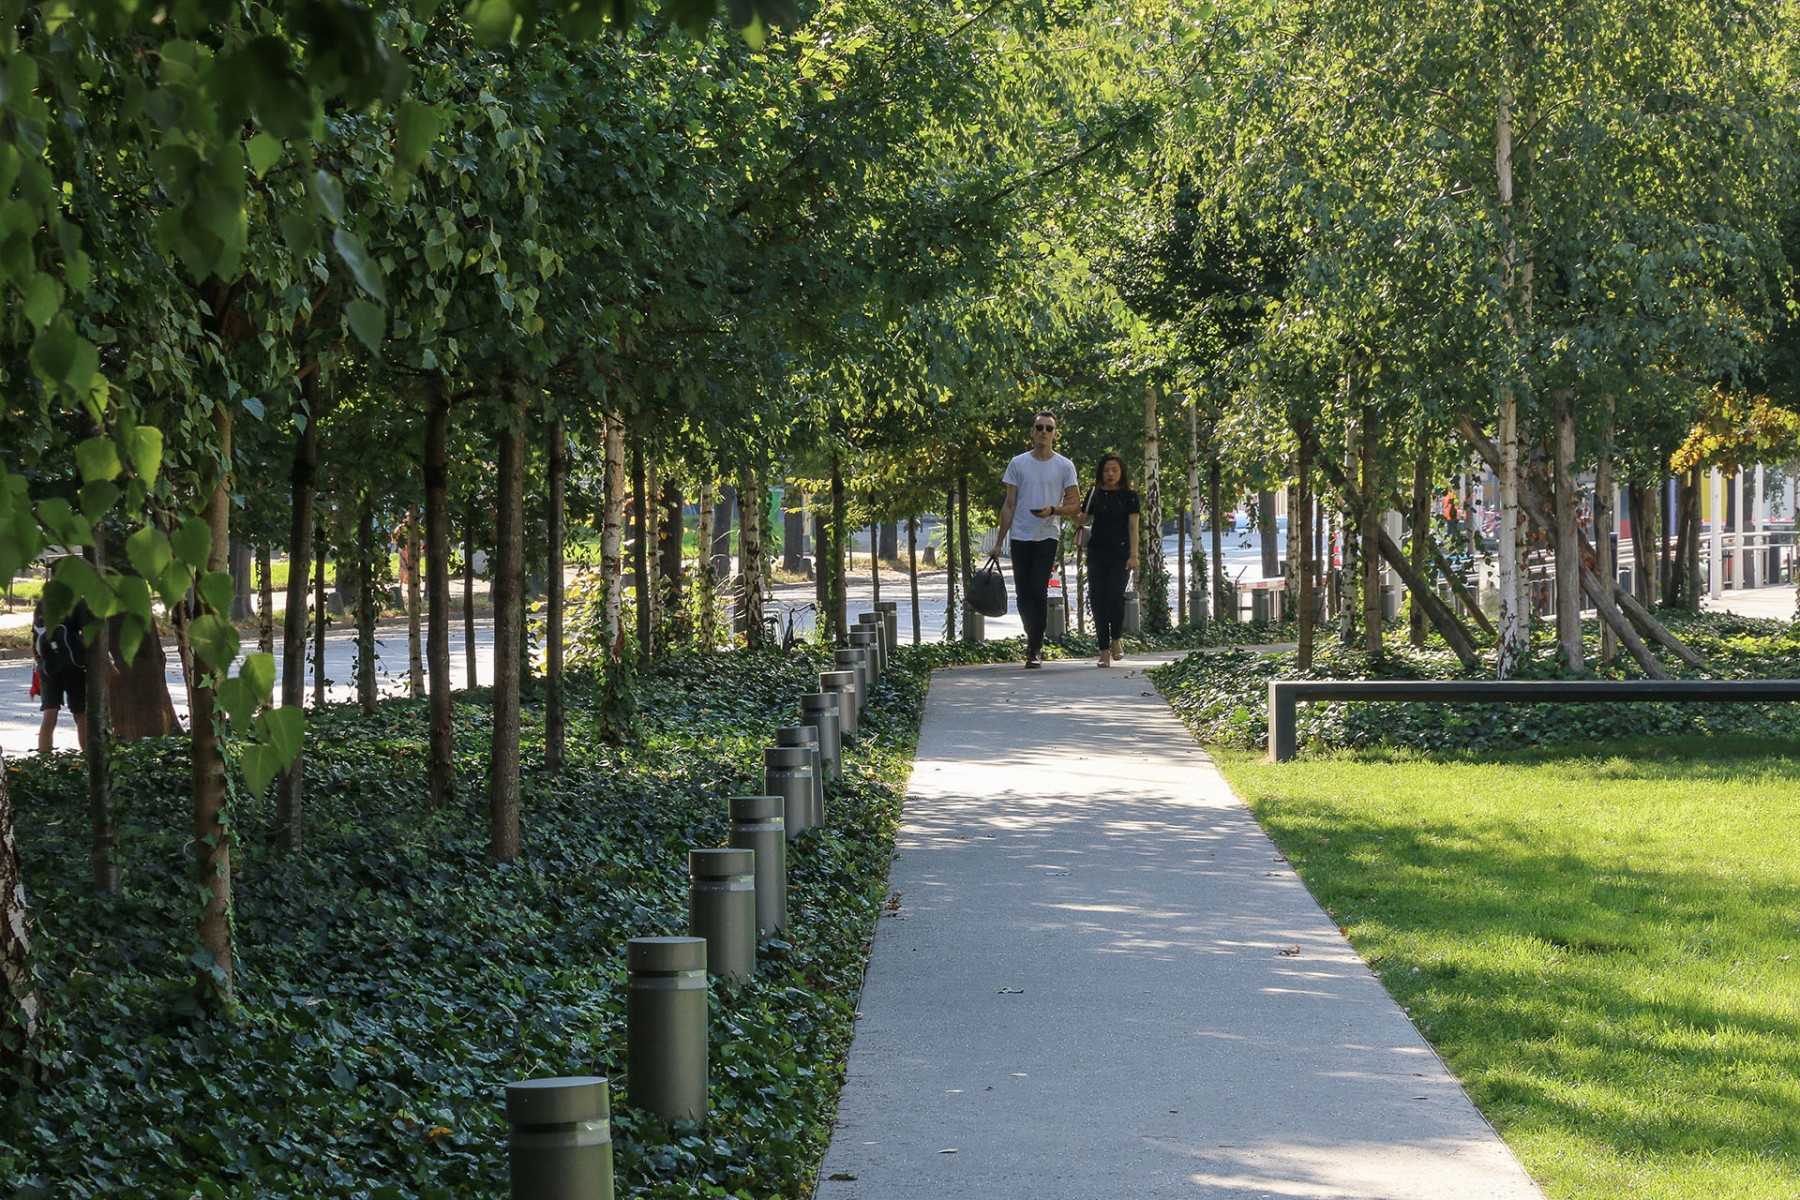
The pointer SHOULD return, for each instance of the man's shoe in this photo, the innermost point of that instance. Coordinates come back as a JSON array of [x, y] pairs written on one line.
[[1033, 662]]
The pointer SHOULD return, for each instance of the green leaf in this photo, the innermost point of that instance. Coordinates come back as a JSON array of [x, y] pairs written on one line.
[[492, 21], [285, 732], [144, 446], [328, 195], [98, 460], [148, 552], [362, 267], [65, 358], [97, 498], [369, 322], [192, 543], [239, 700], [259, 672], [260, 765], [84, 583], [43, 299], [59, 520], [264, 151], [418, 126], [214, 639], [216, 591]]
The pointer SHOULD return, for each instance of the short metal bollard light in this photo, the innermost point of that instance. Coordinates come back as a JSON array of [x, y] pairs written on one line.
[[1056, 619], [722, 909], [788, 773], [807, 737], [757, 825], [974, 624], [820, 710], [665, 1026], [1134, 614], [878, 623], [559, 1140], [890, 615], [842, 684], [868, 639], [852, 658]]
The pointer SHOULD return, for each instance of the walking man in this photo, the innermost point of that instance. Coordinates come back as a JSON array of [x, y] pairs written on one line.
[[1040, 489], [61, 662]]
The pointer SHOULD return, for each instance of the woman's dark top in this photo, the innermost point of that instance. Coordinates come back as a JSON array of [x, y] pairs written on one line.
[[1109, 533]]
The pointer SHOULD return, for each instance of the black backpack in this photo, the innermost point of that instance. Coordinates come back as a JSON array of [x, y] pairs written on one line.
[[60, 651]]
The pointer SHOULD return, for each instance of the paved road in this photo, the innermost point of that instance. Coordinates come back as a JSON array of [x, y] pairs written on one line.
[[1096, 977]]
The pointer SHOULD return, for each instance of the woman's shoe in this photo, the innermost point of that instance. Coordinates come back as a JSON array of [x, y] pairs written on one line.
[[1118, 649], [1105, 660]]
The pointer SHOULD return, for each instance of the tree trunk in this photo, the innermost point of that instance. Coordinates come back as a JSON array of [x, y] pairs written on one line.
[[840, 541], [139, 706], [962, 527], [821, 573], [1197, 587], [240, 558], [671, 529], [1268, 533], [471, 660], [1514, 642], [1350, 579], [1641, 499], [321, 617], [440, 769], [706, 579], [367, 539], [912, 570], [1567, 551], [640, 556], [612, 540], [18, 987], [212, 822], [1301, 515], [265, 601], [952, 574], [554, 717], [1153, 571], [753, 507], [1690, 539], [1605, 545], [793, 539], [507, 579], [1420, 519], [1615, 606], [1371, 533], [1224, 607], [415, 650], [721, 539], [303, 476], [103, 818]]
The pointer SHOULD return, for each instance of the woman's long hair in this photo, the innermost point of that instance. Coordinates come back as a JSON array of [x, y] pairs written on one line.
[[1100, 472]]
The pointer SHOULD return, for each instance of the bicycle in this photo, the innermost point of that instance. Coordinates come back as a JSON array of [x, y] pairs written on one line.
[[778, 627]]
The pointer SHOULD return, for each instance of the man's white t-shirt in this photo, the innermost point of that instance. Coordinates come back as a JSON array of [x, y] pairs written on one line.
[[1041, 482]]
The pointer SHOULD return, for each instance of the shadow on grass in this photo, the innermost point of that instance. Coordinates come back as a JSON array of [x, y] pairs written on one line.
[[1580, 970]]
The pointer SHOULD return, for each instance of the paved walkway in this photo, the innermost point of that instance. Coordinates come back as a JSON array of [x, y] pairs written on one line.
[[1100, 981]]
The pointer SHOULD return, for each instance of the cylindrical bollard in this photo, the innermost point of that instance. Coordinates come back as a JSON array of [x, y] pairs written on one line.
[[820, 710], [757, 824], [559, 1140], [890, 615], [787, 772], [974, 625], [852, 658], [877, 622], [722, 909], [868, 639], [842, 684], [1133, 614], [665, 1026], [807, 738], [1056, 619]]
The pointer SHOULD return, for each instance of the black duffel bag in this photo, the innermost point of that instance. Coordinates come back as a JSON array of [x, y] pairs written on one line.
[[987, 589]]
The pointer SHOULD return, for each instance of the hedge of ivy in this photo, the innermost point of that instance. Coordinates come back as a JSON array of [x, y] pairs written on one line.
[[393, 979], [1224, 697]]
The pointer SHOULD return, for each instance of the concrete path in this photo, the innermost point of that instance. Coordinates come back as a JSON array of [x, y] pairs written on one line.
[[1098, 980]]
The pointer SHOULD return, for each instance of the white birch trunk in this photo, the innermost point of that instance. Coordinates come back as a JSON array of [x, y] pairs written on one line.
[[1514, 625], [612, 540], [1153, 574], [752, 507]]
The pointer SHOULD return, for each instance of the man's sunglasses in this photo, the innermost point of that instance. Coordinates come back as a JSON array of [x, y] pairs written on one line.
[[1044, 428]]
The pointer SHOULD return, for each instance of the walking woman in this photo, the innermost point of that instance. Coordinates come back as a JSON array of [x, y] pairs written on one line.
[[1111, 513]]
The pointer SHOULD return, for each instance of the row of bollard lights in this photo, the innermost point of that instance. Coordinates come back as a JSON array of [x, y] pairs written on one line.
[[560, 1129]]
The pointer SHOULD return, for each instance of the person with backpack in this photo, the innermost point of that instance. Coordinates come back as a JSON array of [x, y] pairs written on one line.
[[61, 661]]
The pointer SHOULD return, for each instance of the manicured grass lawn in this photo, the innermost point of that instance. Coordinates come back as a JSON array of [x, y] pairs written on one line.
[[1601, 943]]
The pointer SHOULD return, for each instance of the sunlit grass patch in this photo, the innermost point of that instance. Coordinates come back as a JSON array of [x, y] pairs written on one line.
[[1601, 944]]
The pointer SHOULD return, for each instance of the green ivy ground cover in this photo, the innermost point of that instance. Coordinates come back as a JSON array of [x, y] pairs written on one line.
[[393, 979], [1224, 697]]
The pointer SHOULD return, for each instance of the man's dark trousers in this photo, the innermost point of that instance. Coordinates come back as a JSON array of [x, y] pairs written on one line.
[[1031, 563]]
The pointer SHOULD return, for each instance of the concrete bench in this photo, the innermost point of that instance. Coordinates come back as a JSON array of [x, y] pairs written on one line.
[[1284, 695]]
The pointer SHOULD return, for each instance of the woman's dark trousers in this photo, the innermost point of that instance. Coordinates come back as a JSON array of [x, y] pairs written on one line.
[[1031, 563], [1106, 593]]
